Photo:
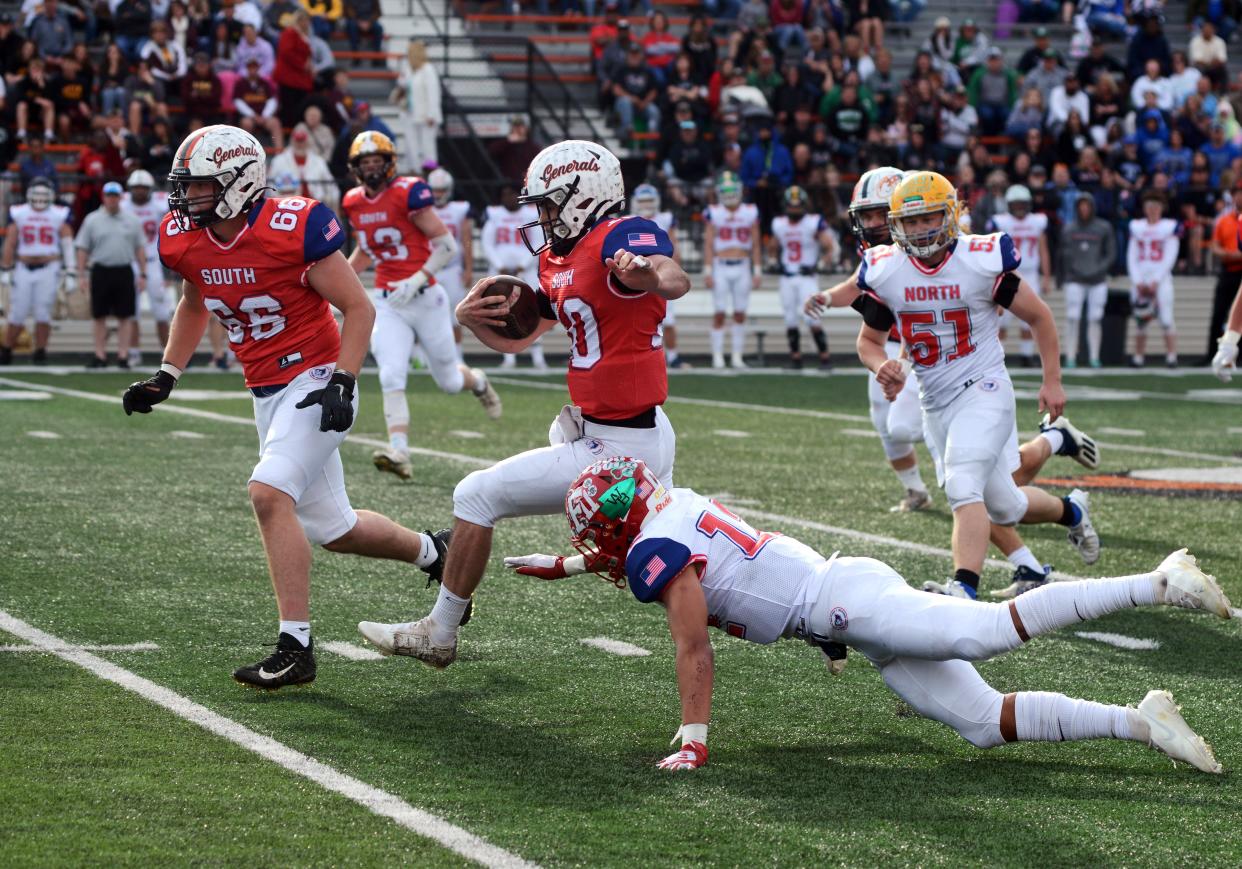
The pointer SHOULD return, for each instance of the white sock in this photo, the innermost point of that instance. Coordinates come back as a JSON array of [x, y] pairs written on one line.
[[427, 555], [739, 338], [1055, 438], [911, 478], [399, 441], [717, 341], [1023, 557], [446, 616], [509, 359], [1048, 717], [1095, 333], [480, 381], [1071, 339], [1170, 357], [1026, 347], [536, 355], [1058, 604], [300, 631]]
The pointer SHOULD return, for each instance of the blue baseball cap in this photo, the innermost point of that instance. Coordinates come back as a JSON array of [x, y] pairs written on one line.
[[113, 188]]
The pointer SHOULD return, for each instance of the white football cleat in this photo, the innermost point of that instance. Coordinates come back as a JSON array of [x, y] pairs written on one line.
[[1171, 734], [952, 588], [412, 639], [914, 501], [1079, 445], [488, 398], [394, 462], [1190, 588], [738, 362], [380, 635], [718, 361], [1082, 536]]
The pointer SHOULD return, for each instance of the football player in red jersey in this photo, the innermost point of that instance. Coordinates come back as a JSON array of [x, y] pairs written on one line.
[[399, 231], [605, 278], [268, 268]]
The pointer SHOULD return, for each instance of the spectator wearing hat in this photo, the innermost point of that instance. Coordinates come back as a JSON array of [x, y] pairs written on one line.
[[131, 22], [635, 91], [362, 21], [688, 168], [1152, 81], [1065, 98], [1209, 54], [940, 44], [514, 153], [992, 90], [252, 47], [256, 107], [201, 93], [112, 243], [1050, 74], [295, 76], [314, 178], [1034, 53], [418, 94], [970, 49]]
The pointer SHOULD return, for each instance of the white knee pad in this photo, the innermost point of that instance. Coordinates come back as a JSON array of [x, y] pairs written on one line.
[[448, 377], [475, 498], [951, 692], [1006, 504], [964, 481], [393, 378], [396, 409], [905, 430]]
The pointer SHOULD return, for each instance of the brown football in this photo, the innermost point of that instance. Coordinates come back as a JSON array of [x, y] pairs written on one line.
[[523, 316]]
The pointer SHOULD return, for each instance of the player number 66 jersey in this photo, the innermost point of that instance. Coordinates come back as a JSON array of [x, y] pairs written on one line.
[[756, 583], [946, 315], [38, 232], [734, 229]]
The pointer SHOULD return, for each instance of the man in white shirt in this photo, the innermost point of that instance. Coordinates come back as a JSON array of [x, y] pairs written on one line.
[[1065, 98], [1209, 54], [1154, 82]]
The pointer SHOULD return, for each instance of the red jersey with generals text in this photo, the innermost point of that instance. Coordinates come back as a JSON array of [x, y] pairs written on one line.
[[257, 285], [384, 229], [616, 362]]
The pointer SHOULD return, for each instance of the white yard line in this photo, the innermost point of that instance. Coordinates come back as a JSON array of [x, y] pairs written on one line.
[[1121, 641], [731, 433], [22, 395], [1122, 432], [615, 647], [860, 432], [349, 650], [467, 435], [188, 435], [370, 798], [96, 647], [44, 435]]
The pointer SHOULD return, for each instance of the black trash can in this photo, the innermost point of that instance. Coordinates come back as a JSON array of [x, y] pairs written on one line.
[[1116, 321]]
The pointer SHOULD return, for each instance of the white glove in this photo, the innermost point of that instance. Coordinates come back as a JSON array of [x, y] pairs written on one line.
[[70, 282], [404, 292], [1226, 356], [6, 278]]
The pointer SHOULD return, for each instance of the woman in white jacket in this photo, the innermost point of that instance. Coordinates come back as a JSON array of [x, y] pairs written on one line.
[[418, 94], [311, 171]]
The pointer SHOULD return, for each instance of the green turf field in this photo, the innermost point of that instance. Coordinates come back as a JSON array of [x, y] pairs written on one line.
[[120, 532]]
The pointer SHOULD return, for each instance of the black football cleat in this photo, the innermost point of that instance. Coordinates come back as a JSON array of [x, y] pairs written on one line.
[[435, 570], [290, 664]]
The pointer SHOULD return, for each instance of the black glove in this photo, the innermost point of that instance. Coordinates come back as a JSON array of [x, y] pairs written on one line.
[[145, 394], [337, 399]]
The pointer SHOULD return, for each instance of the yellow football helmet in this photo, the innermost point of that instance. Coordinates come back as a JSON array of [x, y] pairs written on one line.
[[924, 193], [364, 145]]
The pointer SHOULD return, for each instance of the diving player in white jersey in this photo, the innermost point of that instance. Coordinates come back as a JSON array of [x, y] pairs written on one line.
[[732, 264], [149, 206], [507, 255], [455, 215], [708, 567], [1029, 232], [646, 203], [800, 240], [40, 239], [1150, 258]]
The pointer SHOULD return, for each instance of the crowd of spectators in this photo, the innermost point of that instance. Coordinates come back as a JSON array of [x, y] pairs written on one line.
[[807, 92], [128, 79]]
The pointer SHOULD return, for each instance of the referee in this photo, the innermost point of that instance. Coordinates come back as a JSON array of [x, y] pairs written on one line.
[[113, 241]]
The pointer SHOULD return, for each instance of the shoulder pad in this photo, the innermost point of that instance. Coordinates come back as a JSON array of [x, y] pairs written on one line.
[[652, 564], [637, 235]]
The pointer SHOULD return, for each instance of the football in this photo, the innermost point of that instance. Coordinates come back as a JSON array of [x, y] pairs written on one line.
[[523, 316]]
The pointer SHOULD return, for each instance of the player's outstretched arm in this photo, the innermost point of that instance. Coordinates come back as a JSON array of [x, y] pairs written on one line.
[[649, 273], [334, 278], [889, 373], [686, 606], [1028, 307], [480, 314], [840, 296]]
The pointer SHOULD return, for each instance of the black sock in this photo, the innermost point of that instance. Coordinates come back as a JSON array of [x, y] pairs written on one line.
[[967, 577], [1068, 511], [821, 341], [795, 341]]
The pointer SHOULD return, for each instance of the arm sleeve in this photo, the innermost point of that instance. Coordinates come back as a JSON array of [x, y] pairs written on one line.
[[419, 196], [652, 564], [875, 313], [323, 234], [638, 236]]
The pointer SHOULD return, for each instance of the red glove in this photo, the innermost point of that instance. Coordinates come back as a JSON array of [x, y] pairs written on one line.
[[692, 756], [546, 566]]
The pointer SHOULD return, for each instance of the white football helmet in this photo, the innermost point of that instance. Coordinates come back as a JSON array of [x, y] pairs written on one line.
[[729, 190], [573, 184], [39, 195], [441, 184], [140, 178], [1018, 199], [646, 201], [230, 157], [873, 190]]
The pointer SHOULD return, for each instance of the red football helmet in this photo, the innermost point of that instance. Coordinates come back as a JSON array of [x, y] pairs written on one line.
[[606, 507]]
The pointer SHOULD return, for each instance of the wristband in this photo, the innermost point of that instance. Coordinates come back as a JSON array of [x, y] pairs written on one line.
[[690, 733], [169, 368], [1231, 336]]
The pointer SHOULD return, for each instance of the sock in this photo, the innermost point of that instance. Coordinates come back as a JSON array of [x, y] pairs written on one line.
[[739, 338], [399, 441], [1071, 513], [1137, 359], [1048, 717], [1170, 357], [509, 359], [1071, 340], [1023, 557], [1026, 347], [911, 478], [717, 341], [1056, 605], [1095, 334], [480, 381], [821, 341], [300, 631], [967, 577], [1055, 438], [795, 341], [427, 555], [446, 615], [536, 355]]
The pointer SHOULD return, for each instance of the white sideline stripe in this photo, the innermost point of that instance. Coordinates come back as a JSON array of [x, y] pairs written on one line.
[[731, 433], [19, 395], [189, 435], [98, 647], [846, 417], [44, 435], [860, 432], [1121, 641], [349, 650], [1122, 432], [1235, 429], [468, 435], [880, 540], [615, 647], [371, 798]]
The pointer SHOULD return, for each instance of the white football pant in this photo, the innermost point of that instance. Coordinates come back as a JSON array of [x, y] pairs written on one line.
[[426, 317], [34, 291], [1164, 303], [795, 290], [158, 297], [731, 286], [898, 422]]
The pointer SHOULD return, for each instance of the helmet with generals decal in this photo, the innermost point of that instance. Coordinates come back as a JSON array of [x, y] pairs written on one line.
[[574, 184], [230, 157]]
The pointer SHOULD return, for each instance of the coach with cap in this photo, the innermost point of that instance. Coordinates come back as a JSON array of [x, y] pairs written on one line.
[[112, 241]]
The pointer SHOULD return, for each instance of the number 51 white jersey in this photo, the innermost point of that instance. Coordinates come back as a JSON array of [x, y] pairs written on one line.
[[946, 315]]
